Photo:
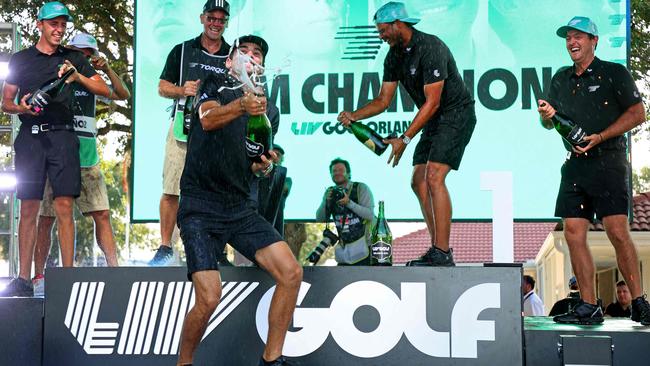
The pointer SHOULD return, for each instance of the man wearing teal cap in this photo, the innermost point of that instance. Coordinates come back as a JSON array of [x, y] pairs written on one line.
[[93, 200], [426, 68], [46, 145], [602, 99]]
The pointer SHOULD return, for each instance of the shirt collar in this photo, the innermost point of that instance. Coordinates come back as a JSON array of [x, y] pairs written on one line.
[[415, 39], [196, 43], [595, 63]]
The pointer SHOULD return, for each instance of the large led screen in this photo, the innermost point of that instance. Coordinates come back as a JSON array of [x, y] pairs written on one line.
[[324, 58]]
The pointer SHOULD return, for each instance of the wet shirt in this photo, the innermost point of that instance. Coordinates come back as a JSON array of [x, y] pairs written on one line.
[[216, 166], [31, 69], [171, 71], [595, 99], [427, 60]]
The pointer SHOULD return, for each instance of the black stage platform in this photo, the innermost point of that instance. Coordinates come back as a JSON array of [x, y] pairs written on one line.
[[345, 316]]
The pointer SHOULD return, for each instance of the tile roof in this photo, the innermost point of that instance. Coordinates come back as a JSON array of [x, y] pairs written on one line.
[[472, 241]]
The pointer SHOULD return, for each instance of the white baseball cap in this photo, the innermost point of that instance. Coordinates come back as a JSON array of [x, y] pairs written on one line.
[[84, 40]]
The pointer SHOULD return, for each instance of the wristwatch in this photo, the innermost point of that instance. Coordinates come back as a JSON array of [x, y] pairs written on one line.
[[405, 139]]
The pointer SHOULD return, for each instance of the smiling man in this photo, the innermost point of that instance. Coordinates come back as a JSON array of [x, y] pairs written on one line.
[[603, 100], [426, 68], [47, 145], [187, 65]]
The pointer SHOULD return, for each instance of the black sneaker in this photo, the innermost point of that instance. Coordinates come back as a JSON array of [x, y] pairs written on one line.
[[434, 257], [18, 287], [583, 313], [641, 310], [278, 362], [164, 256]]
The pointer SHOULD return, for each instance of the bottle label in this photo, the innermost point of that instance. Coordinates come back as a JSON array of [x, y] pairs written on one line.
[[381, 252], [254, 149], [370, 144], [576, 135]]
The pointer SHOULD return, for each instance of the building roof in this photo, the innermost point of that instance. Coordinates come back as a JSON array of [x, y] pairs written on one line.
[[472, 242]]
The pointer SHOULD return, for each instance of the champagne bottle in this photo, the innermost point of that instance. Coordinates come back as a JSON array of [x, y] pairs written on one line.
[[259, 137], [568, 129], [42, 97], [188, 111], [381, 249], [369, 138]]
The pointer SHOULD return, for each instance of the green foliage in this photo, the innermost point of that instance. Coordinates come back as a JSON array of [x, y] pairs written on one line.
[[641, 180]]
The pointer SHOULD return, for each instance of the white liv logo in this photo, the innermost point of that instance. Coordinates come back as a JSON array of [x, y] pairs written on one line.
[[397, 317]]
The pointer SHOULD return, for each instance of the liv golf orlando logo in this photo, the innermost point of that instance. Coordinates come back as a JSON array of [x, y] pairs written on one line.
[[148, 330]]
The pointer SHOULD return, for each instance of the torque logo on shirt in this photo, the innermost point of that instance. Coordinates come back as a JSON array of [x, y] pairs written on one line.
[[214, 69], [436, 73], [593, 88]]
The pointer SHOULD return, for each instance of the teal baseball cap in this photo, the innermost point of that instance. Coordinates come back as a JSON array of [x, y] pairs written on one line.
[[393, 11], [53, 9], [582, 24]]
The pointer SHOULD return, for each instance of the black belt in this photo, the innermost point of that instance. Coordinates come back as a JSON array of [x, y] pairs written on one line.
[[47, 127]]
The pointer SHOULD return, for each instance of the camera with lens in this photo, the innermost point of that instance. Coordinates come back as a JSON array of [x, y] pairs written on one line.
[[338, 193], [329, 239]]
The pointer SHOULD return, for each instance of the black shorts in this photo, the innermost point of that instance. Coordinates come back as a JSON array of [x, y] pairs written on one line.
[[444, 139], [206, 227], [596, 184], [54, 154]]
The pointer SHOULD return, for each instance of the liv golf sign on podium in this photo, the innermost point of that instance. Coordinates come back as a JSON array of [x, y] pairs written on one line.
[[345, 316]]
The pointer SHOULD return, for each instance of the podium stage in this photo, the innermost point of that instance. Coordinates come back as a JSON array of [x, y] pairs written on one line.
[[345, 316]]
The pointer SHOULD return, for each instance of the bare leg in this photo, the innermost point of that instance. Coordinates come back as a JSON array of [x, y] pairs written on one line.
[[27, 236], [278, 260], [207, 288], [618, 232], [65, 227], [436, 174], [104, 234], [43, 243], [419, 186], [168, 211], [575, 233]]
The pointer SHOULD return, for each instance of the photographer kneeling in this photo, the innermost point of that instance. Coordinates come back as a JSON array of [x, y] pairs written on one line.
[[352, 208]]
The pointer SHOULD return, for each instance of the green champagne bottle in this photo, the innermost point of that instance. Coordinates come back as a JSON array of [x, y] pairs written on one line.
[[259, 137], [568, 129], [369, 138], [381, 249]]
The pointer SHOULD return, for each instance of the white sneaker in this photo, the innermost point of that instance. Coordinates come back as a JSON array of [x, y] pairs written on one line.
[[39, 285]]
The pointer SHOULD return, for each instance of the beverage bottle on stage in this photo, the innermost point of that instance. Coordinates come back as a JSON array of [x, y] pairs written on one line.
[[568, 129], [42, 97], [369, 138], [188, 111], [259, 137], [381, 247]]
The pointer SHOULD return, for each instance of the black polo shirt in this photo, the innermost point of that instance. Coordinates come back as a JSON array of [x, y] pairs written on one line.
[[31, 69], [216, 166], [426, 60], [596, 98], [171, 71], [615, 310]]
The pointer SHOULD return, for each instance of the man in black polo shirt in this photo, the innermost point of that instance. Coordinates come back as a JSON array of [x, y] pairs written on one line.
[[600, 97], [426, 68], [216, 206], [46, 144], [621, 308], [187, 64]]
